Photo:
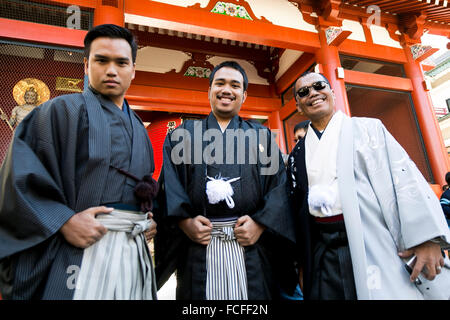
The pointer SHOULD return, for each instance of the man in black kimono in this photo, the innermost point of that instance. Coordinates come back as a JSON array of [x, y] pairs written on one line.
[[226, 222], [70, 224]]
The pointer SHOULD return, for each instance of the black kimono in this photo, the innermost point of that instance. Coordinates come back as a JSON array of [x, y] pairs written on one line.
[[58, 164], [262, 197], [317, 246]]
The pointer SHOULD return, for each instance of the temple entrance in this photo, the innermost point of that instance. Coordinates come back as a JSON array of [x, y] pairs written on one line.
[[396, 111]]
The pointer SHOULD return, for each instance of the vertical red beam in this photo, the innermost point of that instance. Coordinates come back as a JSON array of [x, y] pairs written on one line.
[[328, 57], [109, 11], [275, 123], [429, 127]]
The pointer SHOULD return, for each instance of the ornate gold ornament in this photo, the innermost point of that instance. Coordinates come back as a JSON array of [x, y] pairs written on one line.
[[25, 84]]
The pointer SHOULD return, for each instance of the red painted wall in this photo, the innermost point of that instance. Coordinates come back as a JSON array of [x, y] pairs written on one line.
[[157, 131]]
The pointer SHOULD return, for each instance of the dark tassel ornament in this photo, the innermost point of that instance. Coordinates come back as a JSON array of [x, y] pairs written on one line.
[[145, 190]]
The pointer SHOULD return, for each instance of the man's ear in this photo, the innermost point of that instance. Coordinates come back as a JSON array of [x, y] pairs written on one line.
[[244, 96], [86, 65], [299, 109]]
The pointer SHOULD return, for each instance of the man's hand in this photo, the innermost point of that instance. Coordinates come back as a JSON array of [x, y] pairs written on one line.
[[82, 229], [429, 256], [151, 232], [198, 229], [247, 231]]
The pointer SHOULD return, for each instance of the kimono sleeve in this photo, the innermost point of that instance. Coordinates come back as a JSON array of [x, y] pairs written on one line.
[[173, 204], [32, 202], [275, 213], [420, 214], [174, 174]]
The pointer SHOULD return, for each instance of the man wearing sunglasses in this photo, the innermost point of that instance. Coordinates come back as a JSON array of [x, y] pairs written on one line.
[[362, 206]]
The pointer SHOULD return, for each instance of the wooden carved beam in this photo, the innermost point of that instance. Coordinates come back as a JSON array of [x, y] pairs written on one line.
[[268, 69], [330, 9], [149, 39], [413, 24]]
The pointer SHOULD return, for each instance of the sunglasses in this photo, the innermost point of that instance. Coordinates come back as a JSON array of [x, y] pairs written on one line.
[[318, 85]]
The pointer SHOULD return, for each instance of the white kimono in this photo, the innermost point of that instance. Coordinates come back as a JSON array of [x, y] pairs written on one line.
[[388, 206]]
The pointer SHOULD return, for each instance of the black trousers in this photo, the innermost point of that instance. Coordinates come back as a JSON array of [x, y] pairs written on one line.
[[332, 277]]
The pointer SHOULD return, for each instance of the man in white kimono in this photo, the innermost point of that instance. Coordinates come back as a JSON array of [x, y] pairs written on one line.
[[362, 206]]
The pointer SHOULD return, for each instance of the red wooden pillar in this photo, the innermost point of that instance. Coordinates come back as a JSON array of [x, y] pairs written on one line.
[[429, 127], [109, 11], [328, 58], [276, 125]]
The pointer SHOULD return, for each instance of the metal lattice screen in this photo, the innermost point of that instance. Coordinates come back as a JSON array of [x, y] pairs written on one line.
[[31, 75], [43, 13]]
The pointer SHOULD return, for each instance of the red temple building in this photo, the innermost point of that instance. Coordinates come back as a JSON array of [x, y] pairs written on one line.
[[371, 51]]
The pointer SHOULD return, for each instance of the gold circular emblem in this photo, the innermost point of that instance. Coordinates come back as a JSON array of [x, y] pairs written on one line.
[[31, 84]]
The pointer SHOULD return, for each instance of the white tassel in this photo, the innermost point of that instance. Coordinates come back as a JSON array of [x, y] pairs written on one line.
[[220, 189], [322, 198]]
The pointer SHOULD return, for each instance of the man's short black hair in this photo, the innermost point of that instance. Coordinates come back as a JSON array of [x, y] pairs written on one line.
[[229, 64], [301, 125], [304, 74], [110, 31], [447, 178]]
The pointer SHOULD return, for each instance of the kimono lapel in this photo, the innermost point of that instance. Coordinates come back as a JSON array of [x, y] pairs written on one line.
[[137, 143], [97, 166], [300, 165], [349, 201]]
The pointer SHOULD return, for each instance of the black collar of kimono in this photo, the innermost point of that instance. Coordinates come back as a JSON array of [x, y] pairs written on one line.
[[318, 133], [210, 123], [105, 101]]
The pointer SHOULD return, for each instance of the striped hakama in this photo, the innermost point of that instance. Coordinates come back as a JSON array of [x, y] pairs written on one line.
[[118, 266], [225, 264]]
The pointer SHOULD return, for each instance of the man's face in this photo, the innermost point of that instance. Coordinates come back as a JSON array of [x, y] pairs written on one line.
[[226, 94], [30, 97], [110, 68], [317, 104], [299, 134]]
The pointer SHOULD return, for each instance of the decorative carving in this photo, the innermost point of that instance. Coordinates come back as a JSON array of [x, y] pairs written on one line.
[[418, 50], [196, 67], [307, 10], [68, 84], [233, 8], [267, 70], [413, 24], [335, 35], [197, 72], [323, 12], [331, 33], [171, 126], [330, 9]]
